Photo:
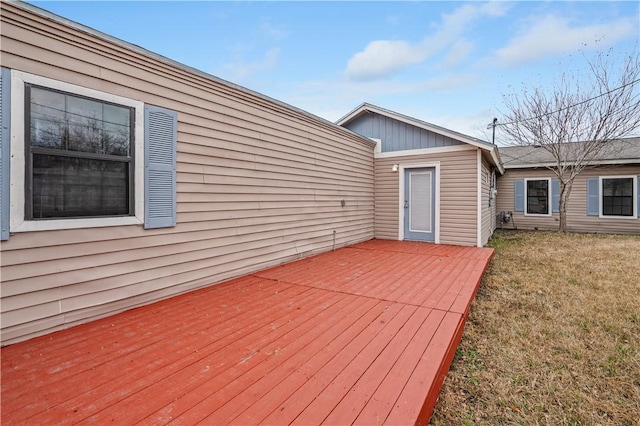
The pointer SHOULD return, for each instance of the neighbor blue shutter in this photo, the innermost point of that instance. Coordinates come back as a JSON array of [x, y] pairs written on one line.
[[555, 195], [593, 198], [5, 151], [638, 196], [160, 139], [519, 195]]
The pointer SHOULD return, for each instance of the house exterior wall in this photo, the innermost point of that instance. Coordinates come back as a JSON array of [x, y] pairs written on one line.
[[577, 218], [488, 204], [258, 184], [458, 194], [397, 135]]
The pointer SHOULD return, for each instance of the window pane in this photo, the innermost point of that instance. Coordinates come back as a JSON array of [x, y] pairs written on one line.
[[76, 187], [115, 139], [538, 196], [617, 197], [47, 118], [67, 122], [618, 187], [85, 124], [85, 136]]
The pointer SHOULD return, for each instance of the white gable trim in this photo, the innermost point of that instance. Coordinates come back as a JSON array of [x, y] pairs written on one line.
[[414, 122], [425, 151], [378, 149], [486, 146]]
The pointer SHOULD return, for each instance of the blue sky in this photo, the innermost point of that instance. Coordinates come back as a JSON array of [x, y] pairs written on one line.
[[448, 63]]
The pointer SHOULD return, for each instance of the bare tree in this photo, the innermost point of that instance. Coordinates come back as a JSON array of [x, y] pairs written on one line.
[[577, 120]]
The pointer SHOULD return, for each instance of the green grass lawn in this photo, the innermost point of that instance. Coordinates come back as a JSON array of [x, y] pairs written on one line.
[[553, 336]]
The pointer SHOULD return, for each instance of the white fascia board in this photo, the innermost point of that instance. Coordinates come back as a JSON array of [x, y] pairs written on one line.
[[378, 149], [495, 156], [353, 114], [425, 151], [599, 163]]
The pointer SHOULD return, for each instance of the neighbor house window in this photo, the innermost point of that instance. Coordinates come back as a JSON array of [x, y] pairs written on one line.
[[537, 196], [617, 196], [79, 156]]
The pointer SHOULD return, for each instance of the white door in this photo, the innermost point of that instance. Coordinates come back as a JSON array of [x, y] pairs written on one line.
[[419, 204]]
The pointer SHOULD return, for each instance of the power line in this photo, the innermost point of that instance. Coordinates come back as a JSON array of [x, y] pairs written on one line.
[[570, 106]]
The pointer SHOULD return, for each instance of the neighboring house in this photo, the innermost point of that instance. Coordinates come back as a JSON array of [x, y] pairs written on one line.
[[128, 177], [432, 184], [605, 197]]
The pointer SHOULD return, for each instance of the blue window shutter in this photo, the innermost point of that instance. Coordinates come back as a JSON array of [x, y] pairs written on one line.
[[5, 151], [519, 195], [638, 196], [555, 195], [593, 197], [160, 140]]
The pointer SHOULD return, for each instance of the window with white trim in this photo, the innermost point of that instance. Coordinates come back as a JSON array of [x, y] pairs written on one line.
[[618, 196], [79, 160], [77, 156], [537, 197], [73, 157]]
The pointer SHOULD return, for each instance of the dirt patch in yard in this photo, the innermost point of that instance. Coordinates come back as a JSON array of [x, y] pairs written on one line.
[[553, 336]]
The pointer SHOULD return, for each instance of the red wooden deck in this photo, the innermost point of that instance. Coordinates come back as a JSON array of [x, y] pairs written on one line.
[[361, 335]]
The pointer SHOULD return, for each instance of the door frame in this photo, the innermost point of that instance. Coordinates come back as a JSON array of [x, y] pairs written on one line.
[[401, 172]]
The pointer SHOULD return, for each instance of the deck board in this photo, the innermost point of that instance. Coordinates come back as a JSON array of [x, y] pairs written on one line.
[[361, 335]]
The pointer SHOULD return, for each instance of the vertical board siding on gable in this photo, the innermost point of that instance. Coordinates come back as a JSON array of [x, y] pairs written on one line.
[[397, 135], [577, 218], [258, 184], [458, 194]]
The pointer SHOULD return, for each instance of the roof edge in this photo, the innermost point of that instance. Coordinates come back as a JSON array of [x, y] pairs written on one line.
[[171, 62], [367, 107], [595, 163]]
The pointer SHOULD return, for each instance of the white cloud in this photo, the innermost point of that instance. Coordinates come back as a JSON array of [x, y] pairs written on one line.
[[393, 20], [272, 31], [381, 58], [240, 71], [446, 83], [457, 53], [332, 99], [472, 123], [553, 35]]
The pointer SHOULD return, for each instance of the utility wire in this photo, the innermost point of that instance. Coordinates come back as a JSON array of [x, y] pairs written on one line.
[[570, 106]]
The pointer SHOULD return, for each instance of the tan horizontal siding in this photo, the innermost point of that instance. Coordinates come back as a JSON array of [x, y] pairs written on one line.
[[258, 183], [90, 51], [488, 205], [458, 196], [577, 219]]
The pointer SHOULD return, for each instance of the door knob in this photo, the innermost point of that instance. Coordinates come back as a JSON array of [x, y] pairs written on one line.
[[406, 204]]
